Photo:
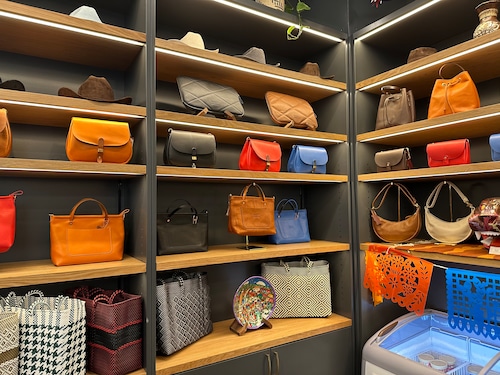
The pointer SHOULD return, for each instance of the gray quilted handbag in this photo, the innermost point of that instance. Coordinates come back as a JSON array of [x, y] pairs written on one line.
[[189, 149], [182, 311], [208, 97]]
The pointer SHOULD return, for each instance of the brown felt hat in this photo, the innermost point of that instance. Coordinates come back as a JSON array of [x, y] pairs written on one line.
[[95, 88], [12, 84], [418, 53], [312, 69]]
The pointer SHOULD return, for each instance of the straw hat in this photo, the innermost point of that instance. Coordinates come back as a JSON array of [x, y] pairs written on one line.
[[194, 40], [87, 13]]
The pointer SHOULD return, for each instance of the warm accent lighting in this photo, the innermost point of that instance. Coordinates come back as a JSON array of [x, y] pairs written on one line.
[[71, 28], [433, 175], [278, 20], [243, 69]]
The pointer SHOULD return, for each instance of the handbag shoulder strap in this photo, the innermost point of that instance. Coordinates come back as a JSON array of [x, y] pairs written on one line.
[[432, 199], [383, 192], [282, 204], [448, 64]]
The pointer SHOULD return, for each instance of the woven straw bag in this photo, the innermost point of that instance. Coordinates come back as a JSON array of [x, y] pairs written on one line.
[[276, 4]]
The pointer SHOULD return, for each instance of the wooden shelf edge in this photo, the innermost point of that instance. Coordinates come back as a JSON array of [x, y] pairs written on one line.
[[222, 344], [223, 254], [34, 272]]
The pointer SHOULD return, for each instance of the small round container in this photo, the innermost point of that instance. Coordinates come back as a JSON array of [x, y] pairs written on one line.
[[425, 358], [438, 364], [449, 359], [473, 369]]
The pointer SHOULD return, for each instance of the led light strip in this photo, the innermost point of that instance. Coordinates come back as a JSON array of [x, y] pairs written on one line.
[[204, 126], [71, 28], [63, 108], [246, 70], [39, 170], [395, 134], [278, 20], [431, 175]]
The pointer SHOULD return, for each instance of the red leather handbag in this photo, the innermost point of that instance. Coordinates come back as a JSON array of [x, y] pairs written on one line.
[[8, 220], [259, 155], [453, 152]]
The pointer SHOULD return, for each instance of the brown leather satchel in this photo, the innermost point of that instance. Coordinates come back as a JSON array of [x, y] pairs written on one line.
[[396, 107], [251, 216], [5, 134], [290, 111], [400, 230], [393, 160]]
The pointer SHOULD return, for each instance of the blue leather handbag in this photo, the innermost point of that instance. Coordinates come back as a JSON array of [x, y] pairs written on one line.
[[291, 225], [495, 147], [307, 159]]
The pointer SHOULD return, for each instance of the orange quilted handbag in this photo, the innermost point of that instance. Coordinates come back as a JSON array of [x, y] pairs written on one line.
[[259, 155], [5, 134], [80, 239], [290, 111], [101, 141]]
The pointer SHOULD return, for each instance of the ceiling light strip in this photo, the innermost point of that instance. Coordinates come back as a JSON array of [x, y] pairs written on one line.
[[63, 108], [290, 136], [246, 70], [396, 134], [278, 20], [71, 28], [399, 19]]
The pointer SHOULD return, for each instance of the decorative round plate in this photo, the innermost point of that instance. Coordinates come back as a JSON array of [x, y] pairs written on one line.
[[253, 302]]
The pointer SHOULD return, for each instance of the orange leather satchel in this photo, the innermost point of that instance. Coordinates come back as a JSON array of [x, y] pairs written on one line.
[[251, 216], [80, 239], [457, 94], [5, 134], [101, 141], [259, 155]]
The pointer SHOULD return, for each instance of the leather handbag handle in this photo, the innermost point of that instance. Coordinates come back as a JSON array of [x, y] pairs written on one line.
[[182, 206], [448, 64], [259, 190], [390, 89], [104, 212], [385, 190], [282, 204]]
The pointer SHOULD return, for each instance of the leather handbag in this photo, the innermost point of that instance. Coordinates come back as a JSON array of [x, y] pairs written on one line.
[[5, 134], [204, 97], [292, 225], [444, 153], [396, 107], [182, 229], [291, 111], [393, 160], [189, 149], [80, 239], [183, 314], [250, 215], [396, 231], [452, 95], [260, 155], [8, 220], [453, 231], [494, 142], [100, 141], [307, 159]]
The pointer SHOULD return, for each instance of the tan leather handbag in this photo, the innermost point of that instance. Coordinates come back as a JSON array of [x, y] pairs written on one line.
[[101, 141], [290, 111], [393, 160], [249, 215], [396, 107], [5, 134], [396, 231], [453, 231]]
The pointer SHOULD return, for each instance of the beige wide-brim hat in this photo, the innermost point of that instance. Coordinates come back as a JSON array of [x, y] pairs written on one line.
[[86, 13], [194, 40], [97, 89]]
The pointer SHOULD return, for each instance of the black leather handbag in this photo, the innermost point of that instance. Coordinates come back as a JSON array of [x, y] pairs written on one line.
[[189, 149], [182, 229]]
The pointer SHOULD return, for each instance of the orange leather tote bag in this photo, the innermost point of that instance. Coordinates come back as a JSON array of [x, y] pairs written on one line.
[[5, 134], [457, 94], [80, 239], [101, 141], [259, 155], [251, 216]]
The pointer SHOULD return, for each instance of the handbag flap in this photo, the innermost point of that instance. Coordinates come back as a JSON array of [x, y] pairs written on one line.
[[311, 155], [447, 150], [389, 158], [3, 119], [266, 150], [285, 109], [113, 133], [186, 142], [198, 94], [494, 141]]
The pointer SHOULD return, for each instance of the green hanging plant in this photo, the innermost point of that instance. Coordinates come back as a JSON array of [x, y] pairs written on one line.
[[293, 32]]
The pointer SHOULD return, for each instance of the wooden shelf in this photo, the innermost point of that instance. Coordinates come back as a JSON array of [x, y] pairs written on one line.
[[61, 168], [50, 110], [478, 56], [222, 344], [489, 169], [248, 78], [232, 175], [222, 254], [235, 132], [37, 272], [66, 38], [475, 123]]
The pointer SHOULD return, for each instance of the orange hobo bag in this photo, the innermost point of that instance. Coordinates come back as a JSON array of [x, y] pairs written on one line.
[[101, 141], [80, 239], [5, 134]]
